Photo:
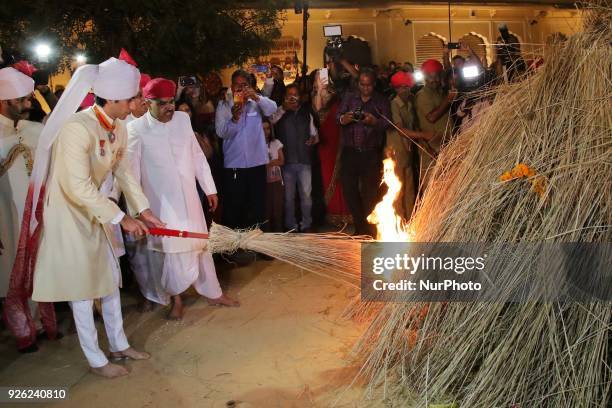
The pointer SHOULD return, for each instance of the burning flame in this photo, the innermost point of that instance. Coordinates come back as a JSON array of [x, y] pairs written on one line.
[[390, 226]]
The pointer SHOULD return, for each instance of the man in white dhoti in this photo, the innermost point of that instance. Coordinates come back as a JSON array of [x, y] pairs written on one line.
[[75, 262], [18, 139], [166, 157]]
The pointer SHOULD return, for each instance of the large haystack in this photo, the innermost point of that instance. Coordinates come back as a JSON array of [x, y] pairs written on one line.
[[559, 123]]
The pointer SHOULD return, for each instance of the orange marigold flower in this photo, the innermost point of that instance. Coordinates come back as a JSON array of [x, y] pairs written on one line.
[[507, 176]]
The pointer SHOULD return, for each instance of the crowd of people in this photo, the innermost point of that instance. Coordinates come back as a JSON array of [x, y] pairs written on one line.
[[122, 153]]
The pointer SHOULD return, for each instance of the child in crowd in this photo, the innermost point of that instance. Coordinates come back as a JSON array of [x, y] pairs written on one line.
[[275, 189]]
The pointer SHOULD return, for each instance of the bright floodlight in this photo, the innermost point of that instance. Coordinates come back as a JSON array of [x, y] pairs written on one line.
[[470, 72], [81, 59], [418, 76], [43, 51]]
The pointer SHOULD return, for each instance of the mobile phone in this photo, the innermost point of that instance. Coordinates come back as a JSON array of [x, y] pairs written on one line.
[[453, 46], [324, 76], [238, 98], [187, 81], [261, 68]]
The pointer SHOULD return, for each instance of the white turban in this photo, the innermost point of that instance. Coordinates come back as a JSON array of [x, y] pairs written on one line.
[[116, 80], [14, 84]]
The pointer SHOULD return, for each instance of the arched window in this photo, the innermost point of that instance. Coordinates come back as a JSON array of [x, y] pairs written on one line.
[[430, 46], [477, 43]]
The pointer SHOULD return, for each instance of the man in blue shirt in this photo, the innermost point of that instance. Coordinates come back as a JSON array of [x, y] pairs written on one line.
[[239, 125]]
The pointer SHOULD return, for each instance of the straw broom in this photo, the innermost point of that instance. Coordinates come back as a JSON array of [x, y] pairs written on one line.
[[335, 256], [559, 123]]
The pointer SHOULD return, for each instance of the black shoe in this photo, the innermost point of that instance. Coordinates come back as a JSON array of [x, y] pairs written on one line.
[[42, 335], [30, 349]]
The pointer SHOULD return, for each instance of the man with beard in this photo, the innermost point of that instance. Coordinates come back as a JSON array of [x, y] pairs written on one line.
[[18, 140]]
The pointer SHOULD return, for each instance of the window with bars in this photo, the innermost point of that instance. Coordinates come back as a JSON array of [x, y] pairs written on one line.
[[430, 46]]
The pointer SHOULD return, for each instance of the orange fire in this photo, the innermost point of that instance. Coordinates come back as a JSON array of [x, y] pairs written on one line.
[[389, 225]]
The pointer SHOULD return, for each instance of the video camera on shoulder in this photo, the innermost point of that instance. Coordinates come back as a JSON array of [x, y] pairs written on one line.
[[333, 48]]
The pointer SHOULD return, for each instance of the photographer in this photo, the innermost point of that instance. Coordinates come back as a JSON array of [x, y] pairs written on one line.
[[363, 134], [467, 76]]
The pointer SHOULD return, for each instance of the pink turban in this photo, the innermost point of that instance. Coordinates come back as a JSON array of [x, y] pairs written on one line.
[[401, 78], [432, 66]]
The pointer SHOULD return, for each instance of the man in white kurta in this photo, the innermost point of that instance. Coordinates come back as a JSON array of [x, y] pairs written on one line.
[[18, 139], [167, 159]]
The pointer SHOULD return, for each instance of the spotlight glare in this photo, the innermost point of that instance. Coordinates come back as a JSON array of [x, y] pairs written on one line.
[[42, 50], [418, 76], [470, 72]]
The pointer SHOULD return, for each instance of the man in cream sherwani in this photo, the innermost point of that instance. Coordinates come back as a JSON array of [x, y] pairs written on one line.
[[75, 262], [166, 158], [18, 139]]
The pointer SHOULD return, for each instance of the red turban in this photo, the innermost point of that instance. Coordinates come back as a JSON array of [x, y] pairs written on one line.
[[432, 66], [159, 88], [124, 56], [25, 68], [401, 78], [144, 79]]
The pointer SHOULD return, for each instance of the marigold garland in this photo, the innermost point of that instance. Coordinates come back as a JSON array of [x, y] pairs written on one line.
[[521, 170]]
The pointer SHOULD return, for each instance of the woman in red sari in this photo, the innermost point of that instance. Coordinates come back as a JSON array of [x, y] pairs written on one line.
[[325, 103]]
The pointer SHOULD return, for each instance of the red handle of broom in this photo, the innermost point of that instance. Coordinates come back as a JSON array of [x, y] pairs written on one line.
[[165, 232]]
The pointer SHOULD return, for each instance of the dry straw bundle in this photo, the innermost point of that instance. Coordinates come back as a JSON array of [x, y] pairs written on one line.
[[336, 256], [535, 167]]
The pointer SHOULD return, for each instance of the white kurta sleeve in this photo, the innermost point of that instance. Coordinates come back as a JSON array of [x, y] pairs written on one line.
[[276, 116], [202, 168], [134, 153], [268, 87], [128, 177]]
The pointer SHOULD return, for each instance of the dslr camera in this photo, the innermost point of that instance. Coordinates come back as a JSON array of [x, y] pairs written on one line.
[[358, 115]]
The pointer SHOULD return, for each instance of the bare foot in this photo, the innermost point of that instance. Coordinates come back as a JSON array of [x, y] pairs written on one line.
[[146, 306], [223, 300], [176, 313], [110, 371], [130, 353]]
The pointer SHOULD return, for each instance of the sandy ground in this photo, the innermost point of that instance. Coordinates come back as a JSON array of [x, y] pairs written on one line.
[[287, 346]]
